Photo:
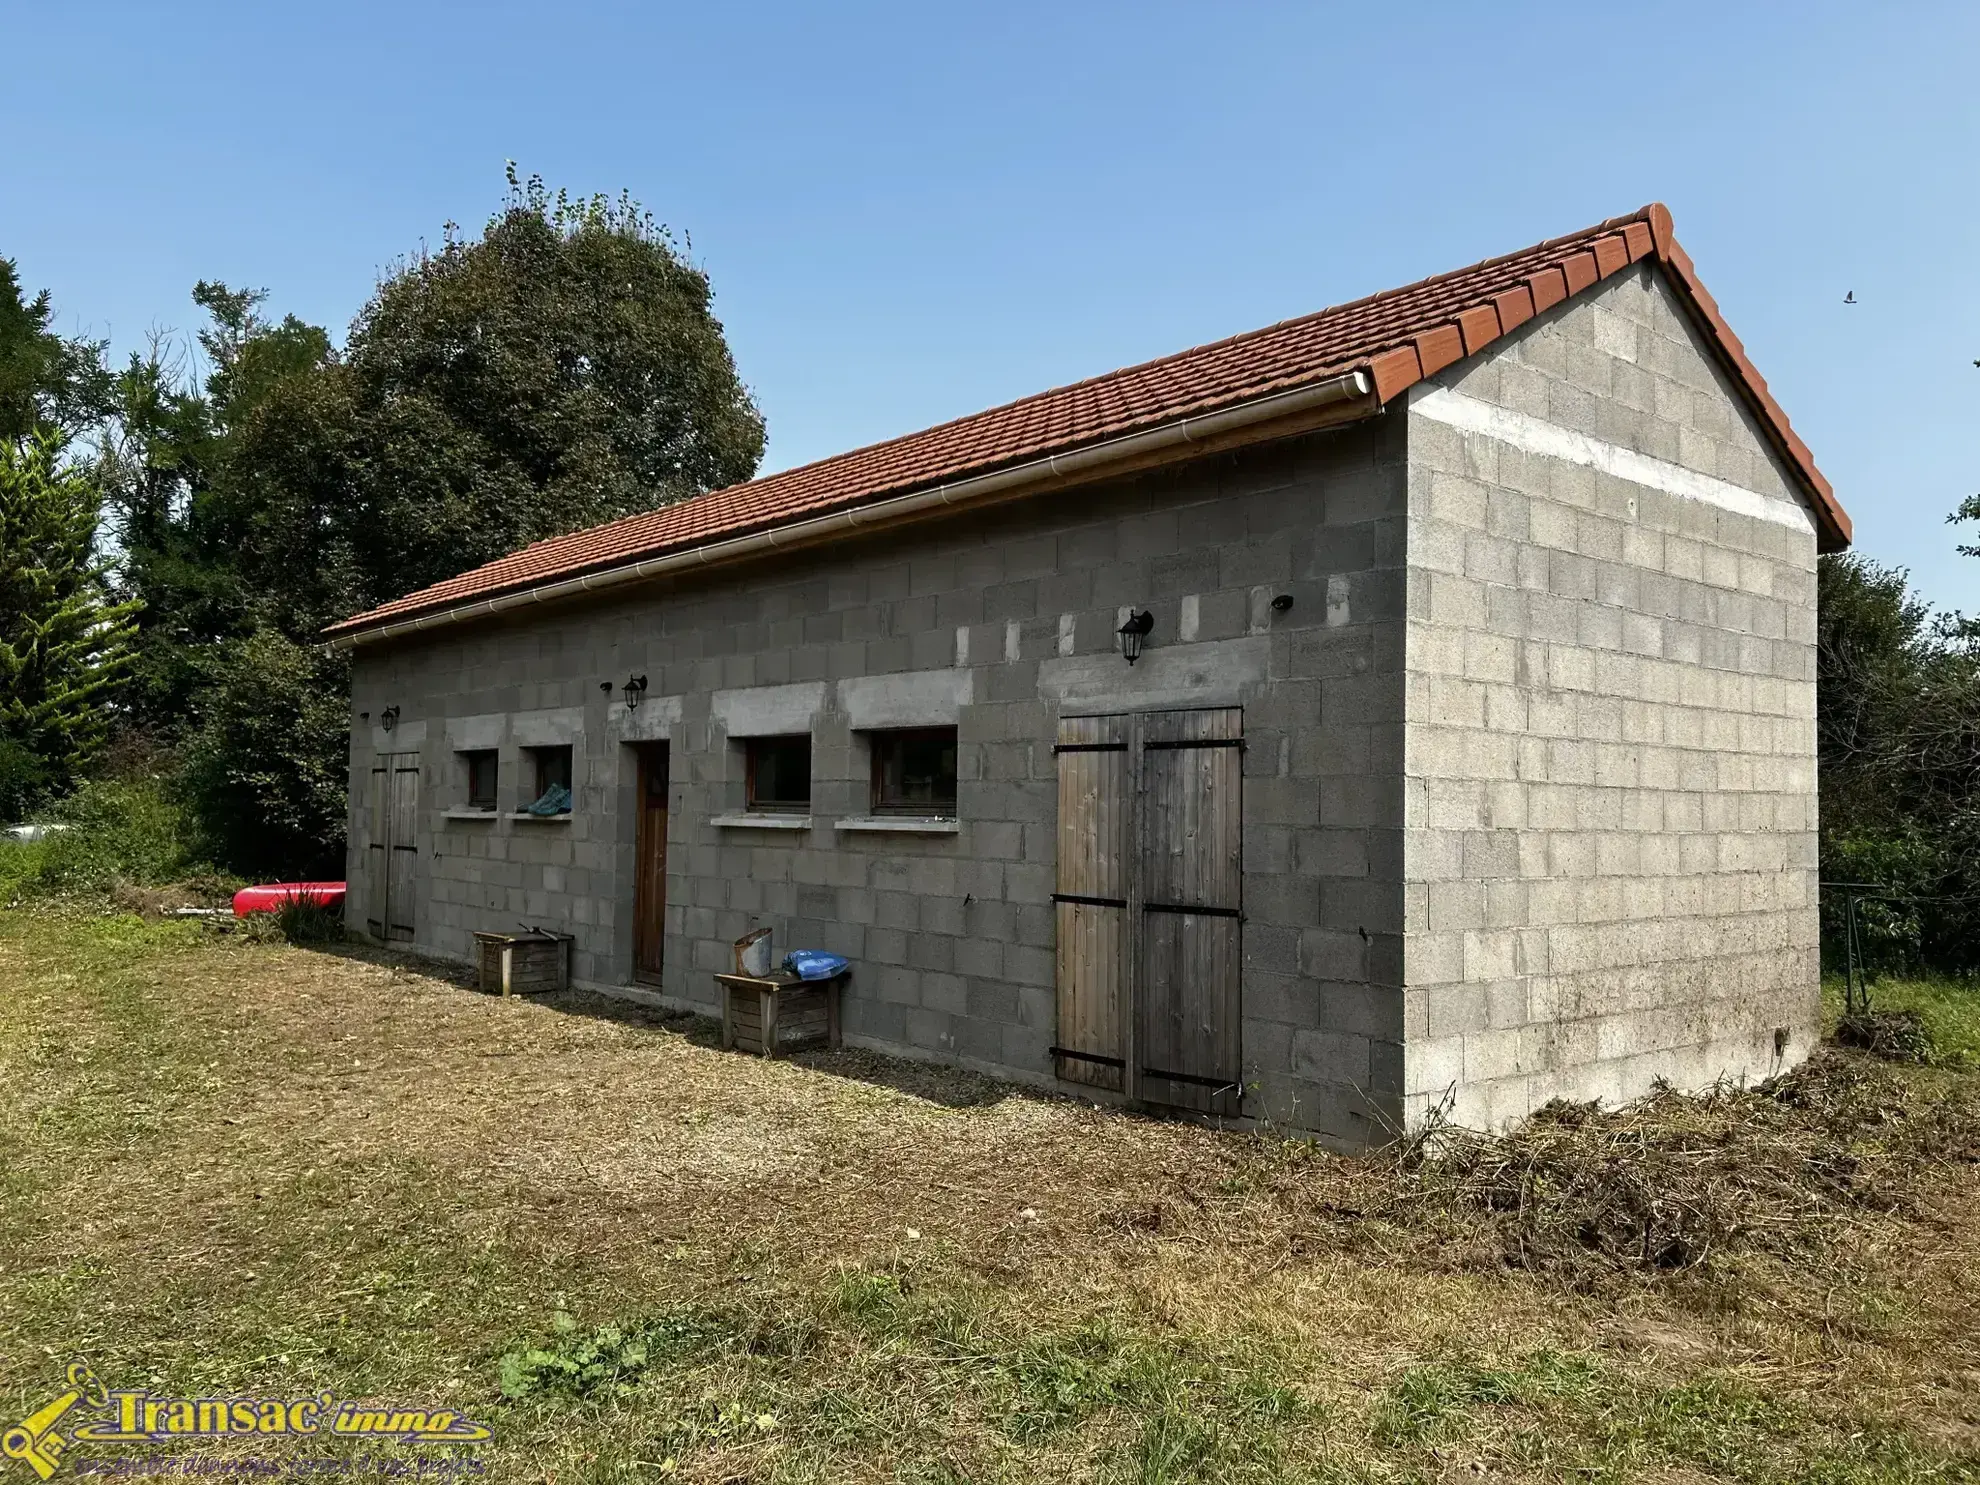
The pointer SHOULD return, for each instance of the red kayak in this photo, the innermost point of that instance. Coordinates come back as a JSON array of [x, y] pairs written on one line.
[[278, 895]]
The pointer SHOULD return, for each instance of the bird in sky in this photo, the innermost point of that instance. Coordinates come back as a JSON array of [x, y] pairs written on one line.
[[1850, 297]]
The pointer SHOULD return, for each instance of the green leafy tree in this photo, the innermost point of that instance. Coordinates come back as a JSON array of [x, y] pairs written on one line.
[[264, 766], [46, 381], [64, 642], [1898, 737], [562, 369], [182, 512]]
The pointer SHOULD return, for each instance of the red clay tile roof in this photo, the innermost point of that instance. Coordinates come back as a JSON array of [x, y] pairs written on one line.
[[1396, 338]]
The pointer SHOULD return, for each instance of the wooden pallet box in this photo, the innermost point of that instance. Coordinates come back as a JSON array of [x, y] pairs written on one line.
[[775, 1015], [523, 963]]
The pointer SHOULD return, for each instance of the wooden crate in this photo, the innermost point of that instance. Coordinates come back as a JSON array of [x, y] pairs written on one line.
[[775, 1015], [524, 963]]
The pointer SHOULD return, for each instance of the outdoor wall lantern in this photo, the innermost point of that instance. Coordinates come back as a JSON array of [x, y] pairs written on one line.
[[389, 718], [635, 688], [1133, 632]]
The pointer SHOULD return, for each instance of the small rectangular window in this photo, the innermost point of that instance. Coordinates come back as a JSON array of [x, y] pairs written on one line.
[[553, 780], [481, 776], [914, 772], [778, 771]]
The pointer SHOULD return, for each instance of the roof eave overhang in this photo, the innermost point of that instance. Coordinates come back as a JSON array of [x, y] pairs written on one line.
[[1347, 396], [1343, 398], [1833, 529]]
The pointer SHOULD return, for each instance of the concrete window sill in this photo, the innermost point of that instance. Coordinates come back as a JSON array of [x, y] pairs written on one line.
[[563, 819], [901, 824], [472, 815], [762, 822]]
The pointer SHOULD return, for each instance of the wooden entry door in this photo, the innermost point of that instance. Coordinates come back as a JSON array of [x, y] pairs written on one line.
[[392, 853], [650, 846], [1150, 905]]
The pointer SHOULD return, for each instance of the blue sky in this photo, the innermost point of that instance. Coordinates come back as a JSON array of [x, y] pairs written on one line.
[[912, 212]]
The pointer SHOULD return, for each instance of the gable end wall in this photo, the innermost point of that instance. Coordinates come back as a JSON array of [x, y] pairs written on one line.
[[1610, 858]]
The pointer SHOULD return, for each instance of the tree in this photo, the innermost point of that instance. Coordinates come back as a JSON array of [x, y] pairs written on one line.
[[264, 766], [1898, 737], [182, 511], [46, 382], [64, 644], [562, 370]]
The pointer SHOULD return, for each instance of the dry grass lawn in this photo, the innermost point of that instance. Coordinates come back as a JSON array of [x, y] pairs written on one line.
[[230, 1167]]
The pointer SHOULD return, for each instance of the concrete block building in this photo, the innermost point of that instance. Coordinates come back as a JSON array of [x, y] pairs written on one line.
[[1408, 704]]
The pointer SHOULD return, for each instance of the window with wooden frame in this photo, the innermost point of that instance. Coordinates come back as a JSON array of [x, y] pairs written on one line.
[[914, 772], [553, 771], [777, 773], [482, 774]]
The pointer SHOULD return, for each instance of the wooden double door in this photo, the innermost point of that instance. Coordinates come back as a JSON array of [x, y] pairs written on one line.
[[1150, 905], [391, 855]]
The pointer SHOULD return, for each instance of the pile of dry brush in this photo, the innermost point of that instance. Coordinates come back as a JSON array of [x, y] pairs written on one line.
[[1674, 1184], [1670, 1190]]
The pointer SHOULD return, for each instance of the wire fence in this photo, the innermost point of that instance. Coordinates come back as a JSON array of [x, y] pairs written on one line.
[[1856, 961]]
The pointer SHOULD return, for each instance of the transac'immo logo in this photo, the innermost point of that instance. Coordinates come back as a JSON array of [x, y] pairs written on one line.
[[147, 1418]]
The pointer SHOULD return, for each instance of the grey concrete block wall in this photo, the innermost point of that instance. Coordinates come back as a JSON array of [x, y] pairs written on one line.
[[998, 622], [1610, 777], [1529, 778]]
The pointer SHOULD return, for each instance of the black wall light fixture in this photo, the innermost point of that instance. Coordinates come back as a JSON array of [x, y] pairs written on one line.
[[1134, 631], [635, 689], [1281, 603], [389, 718]]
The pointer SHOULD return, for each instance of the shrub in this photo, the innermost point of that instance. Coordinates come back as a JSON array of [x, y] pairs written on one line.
[[118, 831], [605, 1362], [264, 772], [306, 922]]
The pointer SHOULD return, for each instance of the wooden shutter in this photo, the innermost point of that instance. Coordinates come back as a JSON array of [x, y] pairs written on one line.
[[1190, 943], [404, 853], [1091, 903], [378, 848]]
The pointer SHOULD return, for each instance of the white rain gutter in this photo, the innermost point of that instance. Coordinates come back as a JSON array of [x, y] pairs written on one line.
[[1344, 388]]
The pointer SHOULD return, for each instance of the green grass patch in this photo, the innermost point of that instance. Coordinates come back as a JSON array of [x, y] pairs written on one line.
[[1948, 1011], [1564, 1416]]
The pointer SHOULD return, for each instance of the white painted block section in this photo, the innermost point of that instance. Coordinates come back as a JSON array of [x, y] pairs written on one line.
[[1537, 436], [768, 711], [962, 644], [917, 698], [1068, 633], [1223, 672], [553, 727], [1189, 618], [1013, 632]]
